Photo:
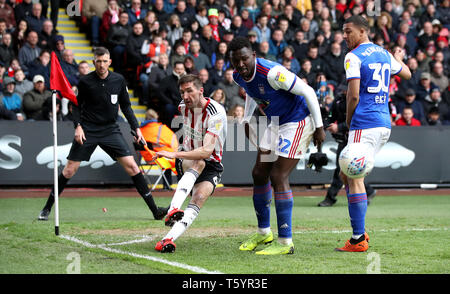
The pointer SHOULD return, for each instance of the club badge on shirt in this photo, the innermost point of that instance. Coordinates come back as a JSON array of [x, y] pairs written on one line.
[[114, 98]]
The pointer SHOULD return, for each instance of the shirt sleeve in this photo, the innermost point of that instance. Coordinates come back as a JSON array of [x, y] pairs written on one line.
[[125, 106], [352, 65], [249, 109], [216, 125], [396, 67], [280, 78]]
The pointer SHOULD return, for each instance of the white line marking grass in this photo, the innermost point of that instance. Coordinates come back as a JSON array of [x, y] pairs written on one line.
[[142, 240], [195, 269]]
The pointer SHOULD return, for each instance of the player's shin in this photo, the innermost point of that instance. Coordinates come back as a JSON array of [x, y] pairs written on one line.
[[262, 198], [184, 187], [181, 226], [62, 181], [357, 208], [144, 191], [284, 203]]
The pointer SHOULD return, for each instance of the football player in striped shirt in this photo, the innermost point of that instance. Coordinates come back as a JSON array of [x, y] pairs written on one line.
[[200, 162], [284, 96], [368, 70]]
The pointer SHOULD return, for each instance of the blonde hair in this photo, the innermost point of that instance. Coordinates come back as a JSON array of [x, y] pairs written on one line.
[[151, 114]]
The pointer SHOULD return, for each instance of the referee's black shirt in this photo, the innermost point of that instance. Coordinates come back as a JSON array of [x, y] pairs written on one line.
[[99, 100]]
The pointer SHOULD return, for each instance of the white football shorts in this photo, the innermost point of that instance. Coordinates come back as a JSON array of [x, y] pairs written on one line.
[[374, 138], [289, 140]]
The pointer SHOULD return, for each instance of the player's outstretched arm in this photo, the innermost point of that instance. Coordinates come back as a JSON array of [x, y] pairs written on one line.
[[203, 152]]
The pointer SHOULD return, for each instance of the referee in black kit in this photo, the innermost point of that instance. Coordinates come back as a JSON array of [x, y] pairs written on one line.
[[99, 95]]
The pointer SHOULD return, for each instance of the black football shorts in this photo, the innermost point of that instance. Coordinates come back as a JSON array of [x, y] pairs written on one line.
[[211, 173]]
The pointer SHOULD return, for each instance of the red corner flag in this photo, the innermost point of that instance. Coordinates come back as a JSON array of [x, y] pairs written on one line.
[[58, 80]]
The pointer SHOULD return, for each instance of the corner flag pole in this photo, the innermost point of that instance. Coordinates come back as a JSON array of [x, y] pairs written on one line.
[[55, 161]]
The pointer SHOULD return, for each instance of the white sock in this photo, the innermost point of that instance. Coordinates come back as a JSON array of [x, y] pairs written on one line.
[[356, 237], [181, 226], [285, 241], [263, 231], [184, 187]]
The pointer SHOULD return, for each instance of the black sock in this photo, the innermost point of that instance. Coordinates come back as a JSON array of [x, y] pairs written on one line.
[[62, 181], [356, 241], [144, 191]]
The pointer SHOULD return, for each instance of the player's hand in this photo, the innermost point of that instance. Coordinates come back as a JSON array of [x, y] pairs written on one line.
[[318, 136], [140, 139], [333, 128], [399, 54], [79, 135], [167, 154]]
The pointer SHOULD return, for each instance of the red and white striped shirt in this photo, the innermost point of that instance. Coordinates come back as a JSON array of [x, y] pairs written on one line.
[[198, 122]]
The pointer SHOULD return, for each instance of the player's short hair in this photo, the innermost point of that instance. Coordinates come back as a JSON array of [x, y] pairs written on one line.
[[238, 43], [358, 21], [190, 78], [100, 51]]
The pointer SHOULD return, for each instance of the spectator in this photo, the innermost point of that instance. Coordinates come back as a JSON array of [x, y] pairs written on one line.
[[252, 7], [438, 77], [336, 16], [117, 41], [93, 10], [410, 101], [313, 24], [70, 67], [6, 49], [266, 9], [428, 15], [434, 117], [442, 46], [252, 37], [247, 21], [109, 18], [34, 99], [23, 10], [23, 85], [6, 114], [425, 87], [36, 19], [19, 35], [208, 86], [277, 8], [435, 100], [158, 73], [59, 46], [219, 96], [182, 12], [289, 53], [305, 26], [231, 89], [177, 54], [264, 51], [217, 72], [200, 59], [186, 39], [313, 56], [134, 45], [83, 68], [306, 72], [30, 51], [384, 27], [160, 12], [334, 71], [407, 118], [237, 28], [444, 13], [54, 10], [221, 52], [277, 43], [207, 43], [151, 24], [152, 51], [136, 12], [47, 35], [232, 8], [201, 15], [174, 29], [427, 36], [213, 16], [7, 13], [262, 30], [41, 66], [411, 41], [9, 98], [169, 94], [47, 110], [14, 65], [236, 112], [412, 83]]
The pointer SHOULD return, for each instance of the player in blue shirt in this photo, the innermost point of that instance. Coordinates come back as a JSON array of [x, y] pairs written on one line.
[[368, 69], [294, 113]]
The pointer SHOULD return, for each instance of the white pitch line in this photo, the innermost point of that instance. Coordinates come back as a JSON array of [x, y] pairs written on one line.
[[382, 230], [195, 269], [142, 240]]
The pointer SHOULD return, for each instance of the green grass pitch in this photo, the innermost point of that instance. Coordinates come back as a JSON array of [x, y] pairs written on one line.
[[409, 235]]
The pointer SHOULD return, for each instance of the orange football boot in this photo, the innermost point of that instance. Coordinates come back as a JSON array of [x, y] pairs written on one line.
[[358, 247]]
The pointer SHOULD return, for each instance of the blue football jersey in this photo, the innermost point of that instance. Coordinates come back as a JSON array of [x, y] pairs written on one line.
[[274, 102], [373, 65]]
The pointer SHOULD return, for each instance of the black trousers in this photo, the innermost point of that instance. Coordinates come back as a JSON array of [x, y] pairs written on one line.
[[337, 183], [54, 13]]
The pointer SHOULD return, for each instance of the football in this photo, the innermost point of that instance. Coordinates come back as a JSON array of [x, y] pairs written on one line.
[[355, 162]]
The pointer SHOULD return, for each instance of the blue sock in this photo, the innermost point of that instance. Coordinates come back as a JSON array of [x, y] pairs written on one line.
[[357, 208], [284, 202], [262, 197]]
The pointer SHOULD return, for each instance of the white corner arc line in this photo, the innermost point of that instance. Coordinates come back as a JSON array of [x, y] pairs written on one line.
[[142, 240], [195, 269]]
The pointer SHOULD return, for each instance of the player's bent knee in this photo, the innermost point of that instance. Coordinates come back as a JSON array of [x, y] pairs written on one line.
[[70, 169], [259, 175]]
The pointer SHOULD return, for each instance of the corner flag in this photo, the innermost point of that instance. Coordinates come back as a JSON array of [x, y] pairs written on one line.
[[58, 80]]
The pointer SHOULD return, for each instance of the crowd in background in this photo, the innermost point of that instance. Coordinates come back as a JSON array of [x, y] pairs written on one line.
[[154, 42]]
